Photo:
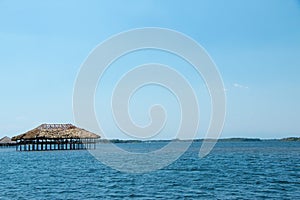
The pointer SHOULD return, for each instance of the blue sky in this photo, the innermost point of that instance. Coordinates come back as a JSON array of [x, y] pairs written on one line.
[[255, 44]]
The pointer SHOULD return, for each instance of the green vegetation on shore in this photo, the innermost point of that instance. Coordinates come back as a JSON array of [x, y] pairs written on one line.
[[290, 139], [201, 140]]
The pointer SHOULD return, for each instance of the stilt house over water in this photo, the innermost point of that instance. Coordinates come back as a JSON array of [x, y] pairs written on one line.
[[6, 142], [56, 137]]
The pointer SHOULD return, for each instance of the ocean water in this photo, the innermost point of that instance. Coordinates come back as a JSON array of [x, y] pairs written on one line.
[[233, 170]]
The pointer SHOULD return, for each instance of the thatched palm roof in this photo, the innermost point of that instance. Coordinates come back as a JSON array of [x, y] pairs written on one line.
[[6, 140], [56, 131]]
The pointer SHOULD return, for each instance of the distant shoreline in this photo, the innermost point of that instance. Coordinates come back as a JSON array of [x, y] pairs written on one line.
[[289, 139]]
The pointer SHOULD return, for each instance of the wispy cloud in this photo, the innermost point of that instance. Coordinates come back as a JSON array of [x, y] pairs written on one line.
[[237, 85]]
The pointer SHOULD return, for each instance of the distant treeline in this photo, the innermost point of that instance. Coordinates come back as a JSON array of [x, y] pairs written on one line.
[[291, 139], [200, 140]]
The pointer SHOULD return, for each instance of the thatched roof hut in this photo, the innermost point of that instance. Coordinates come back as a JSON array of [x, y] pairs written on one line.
[[56, 137], [56, 131], [6, 141]]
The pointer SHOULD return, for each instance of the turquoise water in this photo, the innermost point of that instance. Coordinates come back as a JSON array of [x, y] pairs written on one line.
[[234, 170]]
